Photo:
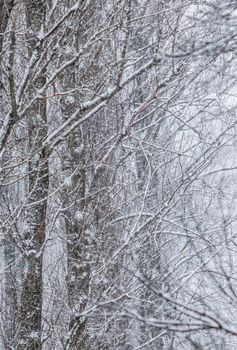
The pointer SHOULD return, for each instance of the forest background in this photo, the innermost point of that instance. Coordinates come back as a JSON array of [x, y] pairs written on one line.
[[118, 174]]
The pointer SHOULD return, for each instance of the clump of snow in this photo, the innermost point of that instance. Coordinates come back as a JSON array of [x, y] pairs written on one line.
[[34, 335], [68, 181], [40, 35], [70, 99], [79, 149], [79, 215]]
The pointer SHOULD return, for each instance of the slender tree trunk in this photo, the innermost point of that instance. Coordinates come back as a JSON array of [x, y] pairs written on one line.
[[74, 201], [10, 284], [32, 289]]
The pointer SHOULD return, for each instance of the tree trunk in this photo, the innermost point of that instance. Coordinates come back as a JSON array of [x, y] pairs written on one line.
[[34, 238]]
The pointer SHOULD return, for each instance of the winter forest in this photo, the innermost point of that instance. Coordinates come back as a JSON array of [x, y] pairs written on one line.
[[118, 175]]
